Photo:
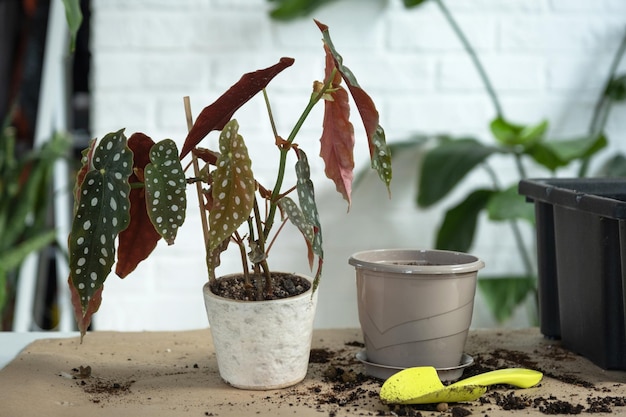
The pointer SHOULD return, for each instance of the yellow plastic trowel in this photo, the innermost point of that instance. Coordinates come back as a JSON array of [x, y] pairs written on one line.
[[421, 385]]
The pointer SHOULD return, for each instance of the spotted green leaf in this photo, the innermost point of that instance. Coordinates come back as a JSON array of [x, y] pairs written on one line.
[[101, 213], [306, 198], [165, 184], [295, 215], [233, 187]]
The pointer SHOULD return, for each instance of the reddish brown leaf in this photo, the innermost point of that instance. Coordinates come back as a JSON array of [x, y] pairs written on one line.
[[83, 318], [207, 155], [337, 141], [140, 238], [379, 151], [216, 115]]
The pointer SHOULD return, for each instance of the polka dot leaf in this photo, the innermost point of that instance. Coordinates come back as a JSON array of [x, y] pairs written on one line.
[[233, 187], [306, 197], [102, 212], [297, 218], [165, 185]]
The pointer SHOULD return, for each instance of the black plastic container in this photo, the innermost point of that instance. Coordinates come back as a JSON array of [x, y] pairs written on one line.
[[581, 248]]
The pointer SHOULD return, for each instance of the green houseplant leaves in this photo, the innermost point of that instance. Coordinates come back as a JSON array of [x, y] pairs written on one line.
[[233, 187], [101, 212], [165, 185], [25, 181], [135, 188]]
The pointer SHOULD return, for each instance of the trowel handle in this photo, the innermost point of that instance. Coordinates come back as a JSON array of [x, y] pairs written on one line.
[[519, 377]]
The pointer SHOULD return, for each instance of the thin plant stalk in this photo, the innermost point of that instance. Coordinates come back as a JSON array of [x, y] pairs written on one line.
[[603, 105], [526, 259], [474, 57], [517, 234], [196, 170], [315, 98]]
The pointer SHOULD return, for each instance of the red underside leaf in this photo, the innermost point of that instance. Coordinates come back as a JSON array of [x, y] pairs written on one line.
[[337, 141], [140, 238], [216, 115], [83, 319], [379, 152]]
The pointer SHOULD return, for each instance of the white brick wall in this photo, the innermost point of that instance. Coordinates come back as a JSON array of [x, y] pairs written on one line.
[[547, 58]]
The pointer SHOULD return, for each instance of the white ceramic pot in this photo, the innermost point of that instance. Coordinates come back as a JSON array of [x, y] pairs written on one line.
[[261, 345], [415, 306]]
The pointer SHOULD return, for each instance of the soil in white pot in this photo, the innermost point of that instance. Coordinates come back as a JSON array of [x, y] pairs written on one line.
[[284, 285]]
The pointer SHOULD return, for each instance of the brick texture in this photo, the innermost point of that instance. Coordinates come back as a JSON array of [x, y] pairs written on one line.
[[546, 58]]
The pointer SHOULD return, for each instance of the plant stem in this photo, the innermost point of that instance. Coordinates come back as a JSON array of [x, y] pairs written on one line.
[[196, 171], [603, 104], [520, 166], [470, 51], [315, 98], [517, 235], [500, 114], [244, 261]]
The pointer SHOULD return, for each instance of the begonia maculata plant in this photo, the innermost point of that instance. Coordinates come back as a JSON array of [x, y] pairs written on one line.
[[131, 192]]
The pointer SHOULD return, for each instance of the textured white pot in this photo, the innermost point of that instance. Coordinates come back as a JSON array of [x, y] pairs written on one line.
[[261, 344]]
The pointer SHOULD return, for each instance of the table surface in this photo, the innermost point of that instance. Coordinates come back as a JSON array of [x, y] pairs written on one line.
[[175, 373]]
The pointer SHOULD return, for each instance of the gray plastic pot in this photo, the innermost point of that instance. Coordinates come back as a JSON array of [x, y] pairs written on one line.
[[415, 306], [262, 345]]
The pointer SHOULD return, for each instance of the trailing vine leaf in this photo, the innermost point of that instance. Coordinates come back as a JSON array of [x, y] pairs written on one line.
[[140, 238], [511, 134], [216, 115], [337, 141], [504, 294], [615, 166], [291, 9], [446, 165], [616, 90], [165, 184], [554, 154], [379, 152], [508, 205], [12, 257], [74, 17], [459, 223], [233, 187], [413, 3], [102, 212], [306, 198]]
